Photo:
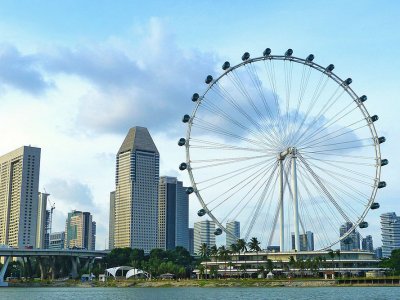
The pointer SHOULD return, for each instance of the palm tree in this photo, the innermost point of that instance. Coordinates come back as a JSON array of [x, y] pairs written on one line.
[[214, 252], [224, 255], [254, 245], [204, 253], [242, 246], [235, 250]]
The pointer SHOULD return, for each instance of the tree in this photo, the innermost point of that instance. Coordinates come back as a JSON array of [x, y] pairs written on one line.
[[214, 252], [393, 262], [292, 262], [331, 255], [338, 255], [254, 246], [224, 255], [235, 250], [242, 247], [270, 265], [204, 251]]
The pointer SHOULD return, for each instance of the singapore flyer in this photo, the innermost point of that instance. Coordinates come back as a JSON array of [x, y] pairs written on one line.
[[284, 146]]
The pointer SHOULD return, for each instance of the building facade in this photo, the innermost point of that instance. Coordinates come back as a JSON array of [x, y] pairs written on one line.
[[367, 244], [352, 241], [136, 192], [19, 190], [378, 252], [233, 227], [43, 221], [203, 232], [57, 240], [80, 231], [390, 226], [173, 214], [306, 241], [111, 221], [191, 241]]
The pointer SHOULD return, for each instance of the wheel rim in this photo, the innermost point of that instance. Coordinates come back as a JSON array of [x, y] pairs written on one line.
[[258, 109]]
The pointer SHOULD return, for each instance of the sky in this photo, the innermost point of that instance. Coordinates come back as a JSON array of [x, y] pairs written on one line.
[[76, 75]]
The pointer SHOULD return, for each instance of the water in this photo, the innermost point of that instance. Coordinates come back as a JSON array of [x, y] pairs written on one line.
[[193, 293]]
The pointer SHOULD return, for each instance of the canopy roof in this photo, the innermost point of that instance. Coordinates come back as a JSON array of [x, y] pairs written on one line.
[[131, 271]]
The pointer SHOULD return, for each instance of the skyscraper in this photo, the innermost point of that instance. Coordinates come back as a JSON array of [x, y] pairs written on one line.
[[43, 220], [306, 241], [173, 214], [111, 222], [234, 228], [191, 241], [352, 241], [203, 233], [390, 226], [367, 244], [136, 193], [80, 231], [182, 216], [19, 184]]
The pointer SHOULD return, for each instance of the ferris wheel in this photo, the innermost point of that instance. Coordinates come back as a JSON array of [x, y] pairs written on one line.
[[283, 146]]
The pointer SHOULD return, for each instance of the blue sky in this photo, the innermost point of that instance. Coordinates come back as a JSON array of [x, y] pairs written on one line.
[[75, 75]]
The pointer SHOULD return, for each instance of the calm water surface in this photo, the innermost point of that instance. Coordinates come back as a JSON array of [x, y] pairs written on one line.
[[201, 293]]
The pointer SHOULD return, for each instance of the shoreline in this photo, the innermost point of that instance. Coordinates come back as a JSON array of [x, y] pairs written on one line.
[[211, 283]]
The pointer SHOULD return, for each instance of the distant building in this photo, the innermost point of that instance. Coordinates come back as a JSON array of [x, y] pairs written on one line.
[[111, 221], [191, 241], [233, 227], [173, 214], [274, 248], [57, 240], [390, 226], [43, 222], [203, 232], [19, 190], [80, 231], [306, 241], [352, 241], [136, 192], [367, 244], [378, 252]]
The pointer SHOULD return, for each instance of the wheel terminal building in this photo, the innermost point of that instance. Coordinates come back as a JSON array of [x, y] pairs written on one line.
[[304, 263]]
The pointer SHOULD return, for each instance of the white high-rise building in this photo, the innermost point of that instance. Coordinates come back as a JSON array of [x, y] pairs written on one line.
[[203, 232], [43, 219], [136, 192], [390, 226], [19, 190], [234, 228], [173, 214]]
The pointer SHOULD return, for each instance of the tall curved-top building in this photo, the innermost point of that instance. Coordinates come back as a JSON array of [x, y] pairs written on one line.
[[136, 192]]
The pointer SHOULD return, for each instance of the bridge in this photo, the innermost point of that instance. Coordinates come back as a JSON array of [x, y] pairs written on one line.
[[50, 255]]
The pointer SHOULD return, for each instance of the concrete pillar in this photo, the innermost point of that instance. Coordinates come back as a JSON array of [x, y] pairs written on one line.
[[86, 265], [52, 260], [3, 271], [29, 267], [42, 267], [74, 267]]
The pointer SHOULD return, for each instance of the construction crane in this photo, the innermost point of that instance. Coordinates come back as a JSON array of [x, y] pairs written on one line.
[[52, 207]]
